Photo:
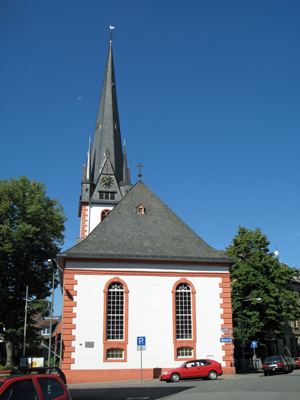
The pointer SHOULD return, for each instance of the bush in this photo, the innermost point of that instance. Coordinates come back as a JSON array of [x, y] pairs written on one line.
[[52, 362], [6, 367]]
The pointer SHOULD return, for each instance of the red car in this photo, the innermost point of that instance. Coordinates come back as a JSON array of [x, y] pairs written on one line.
[[297, 360], [41, 370], [194, 369], [29, 387]]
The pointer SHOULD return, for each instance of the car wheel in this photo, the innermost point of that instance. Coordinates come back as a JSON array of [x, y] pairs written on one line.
[[212, 375], [266, 374], [175, 377]]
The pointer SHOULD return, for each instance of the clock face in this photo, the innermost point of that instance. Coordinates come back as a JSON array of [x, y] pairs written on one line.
[[107, 182]]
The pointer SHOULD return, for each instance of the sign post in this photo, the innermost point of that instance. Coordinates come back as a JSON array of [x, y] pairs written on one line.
[[227, 340], [141, 346], [254, 346]]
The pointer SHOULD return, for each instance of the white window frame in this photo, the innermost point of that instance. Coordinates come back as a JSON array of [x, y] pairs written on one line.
[[113, 353], [115, 312], [183, 305]]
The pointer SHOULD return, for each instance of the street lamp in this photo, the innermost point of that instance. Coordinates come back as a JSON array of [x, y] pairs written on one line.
[[25, 321], [242, 338], [51, 319]]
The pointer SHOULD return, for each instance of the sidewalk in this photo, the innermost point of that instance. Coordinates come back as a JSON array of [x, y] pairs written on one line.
[[149, 382]]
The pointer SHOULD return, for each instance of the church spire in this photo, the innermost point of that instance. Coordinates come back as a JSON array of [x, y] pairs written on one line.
[[107, 134], [126, 172], [88, 163], [125, 186], [105, 177]]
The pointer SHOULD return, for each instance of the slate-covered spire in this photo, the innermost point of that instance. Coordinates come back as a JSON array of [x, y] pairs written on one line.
[[126, 171], [107, 134], [105, 177], [88, 164], [125, 185]]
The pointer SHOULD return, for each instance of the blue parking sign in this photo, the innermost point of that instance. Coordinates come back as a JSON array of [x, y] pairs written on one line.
[[141, 340]]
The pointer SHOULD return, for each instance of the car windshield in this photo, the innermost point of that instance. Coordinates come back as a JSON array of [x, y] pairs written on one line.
[[1, 383], [182, 365], [273, 359]]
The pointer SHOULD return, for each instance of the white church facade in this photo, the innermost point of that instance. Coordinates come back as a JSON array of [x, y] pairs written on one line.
[[137, 271]]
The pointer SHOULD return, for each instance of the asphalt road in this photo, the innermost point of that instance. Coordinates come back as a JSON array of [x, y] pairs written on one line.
[[242, 387]]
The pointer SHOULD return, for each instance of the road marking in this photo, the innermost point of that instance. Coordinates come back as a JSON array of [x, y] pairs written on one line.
[[138, 398]]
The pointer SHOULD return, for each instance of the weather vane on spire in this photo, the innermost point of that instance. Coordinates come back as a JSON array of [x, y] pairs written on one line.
[[111, 35]]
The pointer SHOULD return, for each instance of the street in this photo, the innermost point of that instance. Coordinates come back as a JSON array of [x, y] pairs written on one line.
[[242, 387]]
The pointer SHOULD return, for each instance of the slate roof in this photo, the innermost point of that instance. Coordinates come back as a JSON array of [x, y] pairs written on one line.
[[158, 234]]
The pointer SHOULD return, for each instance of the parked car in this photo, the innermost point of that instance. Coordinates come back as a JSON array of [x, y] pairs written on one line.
[[289, 363], [297, 361], [41, 370], [275, 364], [292, 362], [209, 369], [29, 387]]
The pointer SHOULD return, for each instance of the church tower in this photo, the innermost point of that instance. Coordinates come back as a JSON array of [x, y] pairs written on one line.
[[106, 176]]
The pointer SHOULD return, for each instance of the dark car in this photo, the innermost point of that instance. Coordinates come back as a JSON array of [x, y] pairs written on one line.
[[193, 369], [275, 364], [41, 370], [33, 387], [292, 362]]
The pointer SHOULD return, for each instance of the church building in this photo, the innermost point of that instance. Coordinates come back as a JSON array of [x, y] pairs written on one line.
[[139, 284]]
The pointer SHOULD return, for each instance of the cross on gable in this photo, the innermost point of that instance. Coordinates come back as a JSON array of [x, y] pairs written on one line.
[[139, 167]]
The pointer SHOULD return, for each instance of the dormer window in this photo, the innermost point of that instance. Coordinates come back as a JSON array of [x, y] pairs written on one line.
[[140, 210]]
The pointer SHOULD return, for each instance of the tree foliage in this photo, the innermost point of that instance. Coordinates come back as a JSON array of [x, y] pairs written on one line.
[[259, 274], [31, 231]]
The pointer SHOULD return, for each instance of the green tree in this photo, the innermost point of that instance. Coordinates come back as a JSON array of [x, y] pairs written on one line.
[[31, 230], [259, 274], [35, 308]]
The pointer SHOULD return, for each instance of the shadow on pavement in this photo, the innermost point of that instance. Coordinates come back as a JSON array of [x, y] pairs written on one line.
[[128, 393]]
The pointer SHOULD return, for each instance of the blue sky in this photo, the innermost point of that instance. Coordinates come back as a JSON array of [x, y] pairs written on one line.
[[208, 95]]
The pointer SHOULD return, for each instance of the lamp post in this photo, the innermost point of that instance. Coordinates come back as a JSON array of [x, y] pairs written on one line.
[[25, 321], [51, 318], [61, 320], [242, 338]]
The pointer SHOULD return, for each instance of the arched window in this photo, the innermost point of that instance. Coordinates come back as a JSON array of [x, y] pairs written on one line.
[[183, 302], [115, 312], [115, 322], [184, 319], [104, 214]]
